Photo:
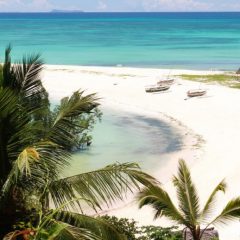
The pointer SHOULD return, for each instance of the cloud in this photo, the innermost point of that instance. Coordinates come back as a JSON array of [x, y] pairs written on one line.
[[175, 5], [102, 5], [123, 5], [190, 5], [40, 4], [3, 2], [25, 5]]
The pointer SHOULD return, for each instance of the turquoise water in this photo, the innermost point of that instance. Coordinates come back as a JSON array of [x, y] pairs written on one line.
[[173, 40], [124, 137]]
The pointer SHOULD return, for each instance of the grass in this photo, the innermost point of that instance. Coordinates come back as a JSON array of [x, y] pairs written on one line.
[[230, 80]]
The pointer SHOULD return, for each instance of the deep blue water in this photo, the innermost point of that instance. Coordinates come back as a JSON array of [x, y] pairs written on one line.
[[172, 40]]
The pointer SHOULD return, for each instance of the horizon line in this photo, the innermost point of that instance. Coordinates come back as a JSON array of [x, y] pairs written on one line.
[[82, 11]]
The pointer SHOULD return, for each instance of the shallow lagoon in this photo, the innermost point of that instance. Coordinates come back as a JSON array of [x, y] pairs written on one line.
[[125, 137]]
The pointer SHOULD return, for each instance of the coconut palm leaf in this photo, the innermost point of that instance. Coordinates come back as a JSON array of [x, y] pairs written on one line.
[[97, 226], [16, 234], [24, 79], [42, 159], [7, 79], [230, 213], [58, 230], [100, 186], [11, 236], [27, 75], [69, 232], [63, 125], [187, 194], [8, 108], [159, 199], [56, 221], [210, 204], [188, 201], [29, 85], [1, 75], [23, 76], [8, 102]]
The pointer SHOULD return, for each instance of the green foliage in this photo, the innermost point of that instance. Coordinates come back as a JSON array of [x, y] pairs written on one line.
[[132, 231], [188, 212], [231, 80], [35, 146], [125, 226], [160, 233], [81, 128]]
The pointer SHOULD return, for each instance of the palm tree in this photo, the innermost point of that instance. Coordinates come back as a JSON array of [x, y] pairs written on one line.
[[188, 212], [34, 151]]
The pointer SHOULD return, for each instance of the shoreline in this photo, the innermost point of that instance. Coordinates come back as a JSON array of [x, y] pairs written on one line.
[[215, 118]]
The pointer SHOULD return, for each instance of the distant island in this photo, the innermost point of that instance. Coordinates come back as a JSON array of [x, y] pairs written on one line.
[[66, 11]]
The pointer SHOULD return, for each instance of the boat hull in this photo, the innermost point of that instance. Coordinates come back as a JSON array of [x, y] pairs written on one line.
[[165, 82], [196, 93], [156, 89]]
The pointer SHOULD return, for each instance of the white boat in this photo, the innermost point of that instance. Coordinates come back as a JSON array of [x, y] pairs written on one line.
[[156, 88], [196, 92], [165, 82]]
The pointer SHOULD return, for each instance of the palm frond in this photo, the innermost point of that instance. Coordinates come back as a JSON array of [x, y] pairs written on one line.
[[8, 109], [74, 233], [231, 212], [27, 74], [159, 199], [8, 78], [61, 131], [42, 159], [100, 186], [27, 157], [75, 105], [210, 204], [24, 79], [58, 230], [8, 102], [187, 194], [11, 235], [1, 75], [97, 226]]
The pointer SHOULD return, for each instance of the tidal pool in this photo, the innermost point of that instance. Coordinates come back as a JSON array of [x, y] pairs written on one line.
[[125, 137]]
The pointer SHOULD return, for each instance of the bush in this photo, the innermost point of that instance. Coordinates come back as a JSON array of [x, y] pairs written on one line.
[[132, 231], [125, 226], [160, 233]]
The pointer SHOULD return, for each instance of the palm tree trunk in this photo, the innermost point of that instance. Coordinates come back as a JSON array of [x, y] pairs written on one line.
[[196, 234]]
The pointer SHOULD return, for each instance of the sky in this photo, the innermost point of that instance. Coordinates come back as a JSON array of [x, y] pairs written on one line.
[[119, 5]]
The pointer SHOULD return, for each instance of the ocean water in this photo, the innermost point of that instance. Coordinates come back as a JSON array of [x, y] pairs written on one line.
[[169, 40]]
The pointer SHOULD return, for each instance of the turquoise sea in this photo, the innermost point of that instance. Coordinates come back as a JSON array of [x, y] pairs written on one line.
[[169, 40]]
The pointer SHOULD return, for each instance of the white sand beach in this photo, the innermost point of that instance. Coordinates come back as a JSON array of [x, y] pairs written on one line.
[[211, 125]]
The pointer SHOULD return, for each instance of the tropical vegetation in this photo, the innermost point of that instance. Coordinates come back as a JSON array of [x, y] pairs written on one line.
[[226, 79], [188, 212], [36, 201], [133, 231]]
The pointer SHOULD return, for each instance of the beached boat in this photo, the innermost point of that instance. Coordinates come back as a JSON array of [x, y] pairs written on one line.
[[196, 93], [165, 82], [156, 88]]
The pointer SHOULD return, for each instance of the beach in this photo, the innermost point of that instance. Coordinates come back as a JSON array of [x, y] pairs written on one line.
[[210, 124]]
